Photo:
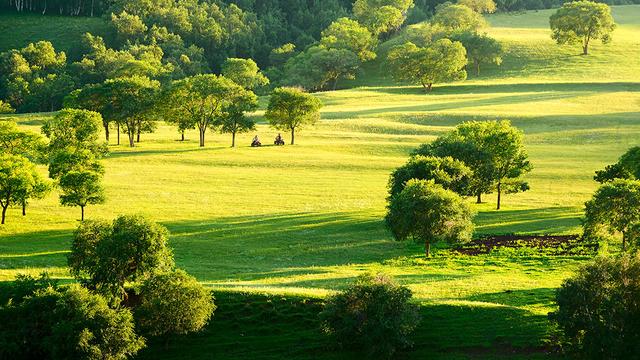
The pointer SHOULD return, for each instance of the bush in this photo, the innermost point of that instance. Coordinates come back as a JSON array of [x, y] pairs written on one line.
[[173, 303], [599, 311], [374, 314], [69, 323]]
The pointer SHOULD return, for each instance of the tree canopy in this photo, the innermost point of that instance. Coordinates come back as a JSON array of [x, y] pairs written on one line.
[[291, 108], [627, 167], [458, 17], [481, 49], [579, 22], [452, 174], [427, 212], [348, 34], [244, 72]]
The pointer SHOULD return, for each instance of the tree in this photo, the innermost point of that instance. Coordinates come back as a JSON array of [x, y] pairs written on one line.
[[15, 141], [108, 255], [173, 303], [479, 6], [452, 174], [373, 314], [81, 188], [481, 49], [627, 167], [133, 102], [97, 98], [19, 181], [73, 141], [458, 17], [66, 323], [128, 27], [5, 108], [493, 150], [598, 309], [578, 22], [203, 97], [441, 61], [427, 212], [244, 72], [291, 108], [232, 120], [615, 207], [381, 16], [319, 67], [348, 34]]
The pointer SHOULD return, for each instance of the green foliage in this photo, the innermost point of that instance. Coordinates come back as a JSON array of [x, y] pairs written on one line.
[[5, 108], [458, 17], [201, 100], [598, 308], [627, 167], [107, 255], [33, 78], [348, 34], [319, 67], [291, 109], [244, 72], [19, 181], [443, 60], [66, 323], [452, 174], [16, 141], [493, 150], [425, 211], [23, 287], [128, 27], [578, 22], [81, 188], [481, 49], [173, 303], [381, 16], [374, 315], [479, 6], [615, 207], [232, 120]]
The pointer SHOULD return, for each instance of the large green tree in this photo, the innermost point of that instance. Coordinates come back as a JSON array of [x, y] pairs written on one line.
[[427, 212], [458, 17], [244, 72], [81, 187], [107, 255], [481, 49], [452, 174], [290, 109], [443, 60], [381, 17], [493, 150], [579, 22], [319, 68], [615, 207], [19, 181], [627, 167], [233, 119], [348, 34]]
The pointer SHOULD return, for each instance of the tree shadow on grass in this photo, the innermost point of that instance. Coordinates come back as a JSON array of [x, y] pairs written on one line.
[[258, 326], [550, 220], [34, 249], [241, 247], [543, 297]]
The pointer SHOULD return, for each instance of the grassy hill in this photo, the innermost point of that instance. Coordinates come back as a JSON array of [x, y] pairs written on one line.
[[64, 32], [299, 222]]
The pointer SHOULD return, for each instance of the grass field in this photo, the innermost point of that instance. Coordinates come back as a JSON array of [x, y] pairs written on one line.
[[298, 222]]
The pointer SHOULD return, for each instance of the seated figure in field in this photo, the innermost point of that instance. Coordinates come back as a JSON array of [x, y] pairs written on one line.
[[279, 140], [255, 142]]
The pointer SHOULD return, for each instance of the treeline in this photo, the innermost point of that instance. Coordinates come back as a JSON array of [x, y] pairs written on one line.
[[57, 7]]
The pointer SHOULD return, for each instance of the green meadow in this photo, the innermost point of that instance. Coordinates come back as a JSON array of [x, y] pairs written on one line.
[[289, 225]]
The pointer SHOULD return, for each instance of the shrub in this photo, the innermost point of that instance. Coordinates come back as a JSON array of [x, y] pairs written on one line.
[[374, 314], [173, 303], [599, 311], [69, 323]]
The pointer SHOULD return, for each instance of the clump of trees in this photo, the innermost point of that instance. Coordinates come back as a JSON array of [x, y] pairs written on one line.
[[493, 150], [598, 309], [291, 109], [579, 22], [374, 315], [74, 152], [627, 167]]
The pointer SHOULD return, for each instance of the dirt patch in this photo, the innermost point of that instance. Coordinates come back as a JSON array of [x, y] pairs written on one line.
[[550, 244]]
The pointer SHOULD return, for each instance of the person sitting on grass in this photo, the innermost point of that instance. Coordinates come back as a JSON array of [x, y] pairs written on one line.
[[255, 142], [279, 140]]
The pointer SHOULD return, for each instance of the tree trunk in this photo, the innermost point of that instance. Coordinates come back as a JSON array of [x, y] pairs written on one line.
[[477, 64], [233, 139], [202, 133], [499, 195], [182, 136], [585, 47], [293, 136], [82, 213], [4, 213], [479, 198], [335, 84], [24, 208], [138, 135], [118, 133], [427, 248], [131, 137]]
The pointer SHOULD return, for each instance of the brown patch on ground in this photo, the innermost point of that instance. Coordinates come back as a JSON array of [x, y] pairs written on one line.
[[559, 244]]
